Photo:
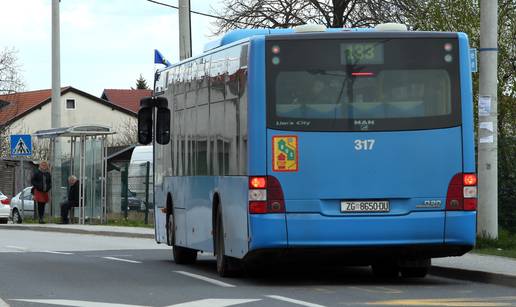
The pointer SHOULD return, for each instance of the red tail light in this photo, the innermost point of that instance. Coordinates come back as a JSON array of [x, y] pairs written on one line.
[[257, 182], [470, 204], [6, 201], [265, 195], [462, 193], [470, 179], [257, 207]]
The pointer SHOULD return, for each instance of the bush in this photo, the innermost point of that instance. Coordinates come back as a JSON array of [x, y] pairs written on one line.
[[507, 183]]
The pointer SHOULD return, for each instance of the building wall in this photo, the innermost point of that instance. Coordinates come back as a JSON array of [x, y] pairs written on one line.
[[86, 111]]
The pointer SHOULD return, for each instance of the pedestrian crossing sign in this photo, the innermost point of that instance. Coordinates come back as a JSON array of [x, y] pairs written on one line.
[[21, 145]]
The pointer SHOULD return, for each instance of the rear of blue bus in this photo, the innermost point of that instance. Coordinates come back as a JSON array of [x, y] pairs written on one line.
[[363, 147]]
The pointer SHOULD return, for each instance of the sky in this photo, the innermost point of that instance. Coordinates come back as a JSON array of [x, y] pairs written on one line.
[[104, 43]]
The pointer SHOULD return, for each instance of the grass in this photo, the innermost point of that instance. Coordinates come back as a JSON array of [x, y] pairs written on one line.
[[504, 246]]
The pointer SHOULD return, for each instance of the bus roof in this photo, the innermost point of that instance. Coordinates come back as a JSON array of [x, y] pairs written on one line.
[[239, 34]]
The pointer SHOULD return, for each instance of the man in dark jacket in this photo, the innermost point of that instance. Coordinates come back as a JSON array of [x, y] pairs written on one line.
[[73, 199]]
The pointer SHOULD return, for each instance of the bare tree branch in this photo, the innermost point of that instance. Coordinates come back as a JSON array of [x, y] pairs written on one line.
[[10, 77]]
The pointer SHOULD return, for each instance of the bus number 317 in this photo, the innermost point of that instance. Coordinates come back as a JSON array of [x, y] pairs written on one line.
[[364, 144]]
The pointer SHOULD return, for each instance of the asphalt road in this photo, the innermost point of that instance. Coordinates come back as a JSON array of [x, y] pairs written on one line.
[[56, 269]]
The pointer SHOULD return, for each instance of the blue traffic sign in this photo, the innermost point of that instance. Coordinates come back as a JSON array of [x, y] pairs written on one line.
[[21, 145]]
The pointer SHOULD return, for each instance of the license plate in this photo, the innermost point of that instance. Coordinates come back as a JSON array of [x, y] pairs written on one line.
[[365, 206]]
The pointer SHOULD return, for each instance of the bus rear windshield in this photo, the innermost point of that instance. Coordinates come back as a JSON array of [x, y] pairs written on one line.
[[363, 85]]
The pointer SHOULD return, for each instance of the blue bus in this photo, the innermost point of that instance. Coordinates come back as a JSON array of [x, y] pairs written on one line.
[[351, 145]]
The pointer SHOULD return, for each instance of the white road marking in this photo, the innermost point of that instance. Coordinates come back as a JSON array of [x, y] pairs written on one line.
[[215, 302], [16, 247], [206, 279], [123, 260], [3, 303], [293, 301], [75, 303], [58, 253]]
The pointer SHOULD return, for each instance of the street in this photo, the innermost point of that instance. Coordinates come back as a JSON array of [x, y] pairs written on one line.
[[57, 269]]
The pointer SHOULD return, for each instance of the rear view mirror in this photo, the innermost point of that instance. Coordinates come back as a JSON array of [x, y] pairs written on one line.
[[163, 126], [145, 125]]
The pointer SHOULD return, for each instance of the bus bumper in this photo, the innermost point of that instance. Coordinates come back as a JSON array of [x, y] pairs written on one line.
[[430, 234]]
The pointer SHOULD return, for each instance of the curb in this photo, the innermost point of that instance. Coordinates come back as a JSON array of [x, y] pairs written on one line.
[[476, 276], [80, 231]]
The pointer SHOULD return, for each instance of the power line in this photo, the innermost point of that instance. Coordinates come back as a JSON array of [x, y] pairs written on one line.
[[195, 12]]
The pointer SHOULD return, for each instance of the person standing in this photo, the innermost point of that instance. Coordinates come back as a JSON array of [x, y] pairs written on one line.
[[73, 199], [42, 183]]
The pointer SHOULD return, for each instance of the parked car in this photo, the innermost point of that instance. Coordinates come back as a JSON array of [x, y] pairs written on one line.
[[5, 208], [19, 212], [134, 203]]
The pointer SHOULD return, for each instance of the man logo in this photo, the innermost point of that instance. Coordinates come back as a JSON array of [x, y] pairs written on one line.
[[364, 123]]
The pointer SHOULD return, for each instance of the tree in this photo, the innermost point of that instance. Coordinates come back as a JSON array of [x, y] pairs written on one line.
[[141, 83], [288, 13], [10, 77], [126, 133], [4, 142]]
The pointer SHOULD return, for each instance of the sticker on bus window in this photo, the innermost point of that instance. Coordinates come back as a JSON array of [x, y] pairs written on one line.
[[284, 153]]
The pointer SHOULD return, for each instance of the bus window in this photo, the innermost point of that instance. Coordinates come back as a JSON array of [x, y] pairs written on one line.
[[400, 88]]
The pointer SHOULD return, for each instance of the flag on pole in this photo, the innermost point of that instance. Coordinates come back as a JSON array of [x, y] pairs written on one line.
[[160, 59]]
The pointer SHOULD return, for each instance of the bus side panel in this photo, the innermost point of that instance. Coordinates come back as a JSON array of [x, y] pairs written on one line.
[[160, 230], [466, 94], [265, 231], [461, 227], [198, 205], [233, 198], [257, 147], [175, 186]]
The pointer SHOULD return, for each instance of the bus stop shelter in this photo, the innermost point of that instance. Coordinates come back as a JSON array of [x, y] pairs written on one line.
[[79, 151]]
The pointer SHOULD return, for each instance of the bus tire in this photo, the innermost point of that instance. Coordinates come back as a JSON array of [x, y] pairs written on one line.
[[414, 272], [419, 269], [182, 255], [226, 266], [170, 230], [386, 270]]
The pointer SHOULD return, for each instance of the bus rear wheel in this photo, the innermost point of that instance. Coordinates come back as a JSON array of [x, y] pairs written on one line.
[[387, 270], [416, 269], [182, 255], [226, 266], [414, 272]]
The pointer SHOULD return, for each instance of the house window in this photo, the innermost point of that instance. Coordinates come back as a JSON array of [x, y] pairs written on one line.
[[70, 104]]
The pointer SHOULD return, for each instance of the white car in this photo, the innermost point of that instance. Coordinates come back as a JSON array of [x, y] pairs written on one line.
[[5, 208], [22, 205]]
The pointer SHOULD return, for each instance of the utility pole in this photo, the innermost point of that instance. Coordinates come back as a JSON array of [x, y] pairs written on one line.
[[56, 102], [488, 121], [185, 30]]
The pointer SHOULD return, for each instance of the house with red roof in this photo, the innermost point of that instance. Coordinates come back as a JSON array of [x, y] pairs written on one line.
[[27, 112], [128, 99]]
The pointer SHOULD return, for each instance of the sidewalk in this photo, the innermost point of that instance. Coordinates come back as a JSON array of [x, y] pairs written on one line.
[[472, 267], [477, 267], [115, 231]]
